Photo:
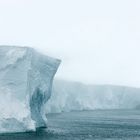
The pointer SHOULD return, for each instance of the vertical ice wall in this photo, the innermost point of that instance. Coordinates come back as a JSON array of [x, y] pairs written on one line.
[[68, 96], [26, 78]]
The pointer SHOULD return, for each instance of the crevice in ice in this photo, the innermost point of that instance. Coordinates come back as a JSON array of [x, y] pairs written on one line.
[[36, 105]]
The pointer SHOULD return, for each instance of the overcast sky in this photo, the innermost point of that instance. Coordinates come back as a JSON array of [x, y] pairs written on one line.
[[97, 40]]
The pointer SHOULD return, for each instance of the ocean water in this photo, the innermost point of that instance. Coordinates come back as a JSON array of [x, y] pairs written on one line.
[[86, 125]]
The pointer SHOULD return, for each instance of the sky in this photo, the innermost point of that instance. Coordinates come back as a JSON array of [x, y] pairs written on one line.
[[98, 41]]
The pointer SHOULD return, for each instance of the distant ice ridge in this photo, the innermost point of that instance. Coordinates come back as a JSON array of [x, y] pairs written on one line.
[[26, 78], [68, 96]]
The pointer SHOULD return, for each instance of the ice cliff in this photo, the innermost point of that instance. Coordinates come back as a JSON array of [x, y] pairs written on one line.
[[26, 78], [68, 96]]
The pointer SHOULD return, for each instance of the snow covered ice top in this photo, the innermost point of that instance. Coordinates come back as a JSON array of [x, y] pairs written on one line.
[[26, 78]]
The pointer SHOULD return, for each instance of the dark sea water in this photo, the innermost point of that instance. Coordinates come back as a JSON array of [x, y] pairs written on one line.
[[86, 125]]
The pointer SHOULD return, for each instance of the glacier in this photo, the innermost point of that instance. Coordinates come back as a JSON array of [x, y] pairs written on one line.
[[68, 96], [26, 78]]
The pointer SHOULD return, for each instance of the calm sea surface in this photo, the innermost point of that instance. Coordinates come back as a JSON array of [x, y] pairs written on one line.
[[86, 125]]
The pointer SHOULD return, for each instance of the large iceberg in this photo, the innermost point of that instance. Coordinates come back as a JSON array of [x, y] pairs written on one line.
[[26, 78], [68, 96]]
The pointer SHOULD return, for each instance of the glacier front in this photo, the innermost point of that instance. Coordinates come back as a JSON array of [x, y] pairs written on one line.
[[26, 78], [68, 96]]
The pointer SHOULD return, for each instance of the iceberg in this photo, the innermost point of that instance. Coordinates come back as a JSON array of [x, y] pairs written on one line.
[[26, 78], [68, 96]]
